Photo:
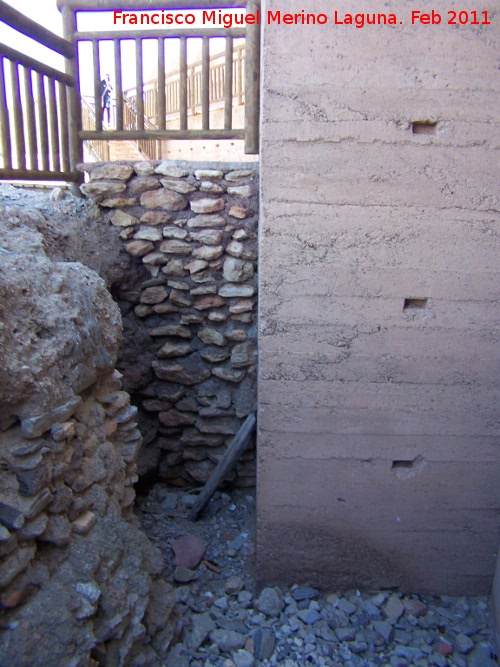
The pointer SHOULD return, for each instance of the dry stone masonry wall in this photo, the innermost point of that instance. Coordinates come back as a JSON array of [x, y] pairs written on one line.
[[189, 309], [79, 582]]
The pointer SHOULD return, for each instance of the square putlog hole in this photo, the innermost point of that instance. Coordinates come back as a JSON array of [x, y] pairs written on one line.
[[415, 304], [424, 127]]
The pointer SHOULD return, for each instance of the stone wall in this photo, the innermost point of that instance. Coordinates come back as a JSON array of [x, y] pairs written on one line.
[[378, 344], [189, 307], [79, 582]]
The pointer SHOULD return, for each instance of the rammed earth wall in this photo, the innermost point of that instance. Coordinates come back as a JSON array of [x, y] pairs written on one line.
[[378, 336], [189, 309]]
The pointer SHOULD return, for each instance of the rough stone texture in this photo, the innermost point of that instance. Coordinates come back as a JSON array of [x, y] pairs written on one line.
[[189, 319], [77, 579], [495, 597], [189, 551], [164, 199], [66, 325], [306, 627], [366, 215]]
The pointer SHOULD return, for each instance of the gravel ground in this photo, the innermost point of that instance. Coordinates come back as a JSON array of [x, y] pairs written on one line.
[[228, 622]]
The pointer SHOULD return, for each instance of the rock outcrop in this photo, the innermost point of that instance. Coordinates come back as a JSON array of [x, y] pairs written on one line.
[[78, 580]]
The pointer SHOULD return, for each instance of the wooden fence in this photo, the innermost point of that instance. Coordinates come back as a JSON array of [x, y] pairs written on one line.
[[34, 103], [219, 78], [44, 122], [99, 149], [147, 131]]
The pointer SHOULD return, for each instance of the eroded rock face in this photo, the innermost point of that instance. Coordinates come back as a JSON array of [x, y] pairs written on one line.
[[63, 229], [60, 330], [77, 579]]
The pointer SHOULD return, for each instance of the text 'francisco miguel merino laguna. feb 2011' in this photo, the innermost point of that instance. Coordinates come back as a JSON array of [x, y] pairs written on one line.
[[226, 19]]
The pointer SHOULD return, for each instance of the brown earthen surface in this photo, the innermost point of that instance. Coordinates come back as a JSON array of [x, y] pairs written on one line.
[[378, 399]]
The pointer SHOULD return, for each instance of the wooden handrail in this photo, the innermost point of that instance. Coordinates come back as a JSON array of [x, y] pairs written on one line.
[[38, 175], [103, 5], [148, 34], [34, 125], [18, 57], [35, 31], [137, 135], [197, 64], [129, 105]]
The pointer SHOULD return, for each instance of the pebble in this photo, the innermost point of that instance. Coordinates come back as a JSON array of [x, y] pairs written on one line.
[[203, 625], [228, 622], [233, 585], [170, 501], [394, 608], [309, 616], [269, 602], [304, 593], [464, 643], [264, 642], [346, 606], [227, 640], [243, 658], [188, 550], [384, 629], [183, 575], [244, 598], [221, 603]]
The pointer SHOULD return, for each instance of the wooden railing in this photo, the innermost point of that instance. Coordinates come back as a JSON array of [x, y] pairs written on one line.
[[149, 147], [190, 91], [98, 148], [217, 81], [43, 121], [35, 139]]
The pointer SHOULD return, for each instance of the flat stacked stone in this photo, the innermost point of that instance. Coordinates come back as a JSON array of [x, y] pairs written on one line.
[[193, 229], [68, 448]]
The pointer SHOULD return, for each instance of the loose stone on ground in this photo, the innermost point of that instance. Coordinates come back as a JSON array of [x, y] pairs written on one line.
[[227, 622]]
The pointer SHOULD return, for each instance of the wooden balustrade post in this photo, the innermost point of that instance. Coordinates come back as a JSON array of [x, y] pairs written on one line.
[[252, 83], [118, 84], [53, 125], [30, 118], [63, 127], [228, 84], [205, 84], [74, 101], [183, 85], [17, 116], [42, 121], [139, 86], [4, 121], [161, 107]]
